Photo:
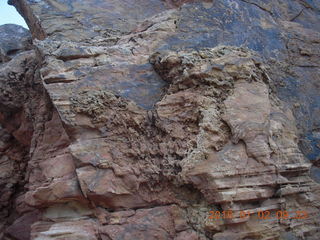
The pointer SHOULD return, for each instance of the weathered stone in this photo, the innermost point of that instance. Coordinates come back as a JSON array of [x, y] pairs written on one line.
[[14, 39], [71, 230], [135, 119]]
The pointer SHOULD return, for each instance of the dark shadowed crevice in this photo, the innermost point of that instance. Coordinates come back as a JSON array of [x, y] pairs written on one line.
[[32, 21], [259, 6]]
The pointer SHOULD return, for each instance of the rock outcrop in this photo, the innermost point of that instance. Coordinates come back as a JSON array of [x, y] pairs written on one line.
[[14, 39], [183, 120]]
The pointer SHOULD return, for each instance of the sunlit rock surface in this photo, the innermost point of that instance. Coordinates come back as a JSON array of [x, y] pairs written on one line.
[[135, 119]]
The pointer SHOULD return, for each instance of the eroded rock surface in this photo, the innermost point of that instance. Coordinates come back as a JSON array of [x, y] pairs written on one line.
[[135, 119], [14, 39]]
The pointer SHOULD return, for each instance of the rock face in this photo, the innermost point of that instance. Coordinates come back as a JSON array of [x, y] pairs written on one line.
[[184, 120], [14, 39]]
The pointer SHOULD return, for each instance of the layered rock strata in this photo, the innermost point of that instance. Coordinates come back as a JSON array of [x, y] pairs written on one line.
[[135, 123]]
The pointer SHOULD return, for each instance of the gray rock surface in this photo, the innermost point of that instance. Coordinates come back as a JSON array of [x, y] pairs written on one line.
[[14, 39]]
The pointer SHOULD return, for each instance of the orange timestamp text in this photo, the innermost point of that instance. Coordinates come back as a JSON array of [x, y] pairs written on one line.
[[263, 215]]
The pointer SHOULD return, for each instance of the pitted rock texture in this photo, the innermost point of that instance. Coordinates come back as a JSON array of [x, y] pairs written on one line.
[[135, 119]]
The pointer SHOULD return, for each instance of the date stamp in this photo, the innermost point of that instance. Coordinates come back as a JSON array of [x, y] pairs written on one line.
[[263, 215]]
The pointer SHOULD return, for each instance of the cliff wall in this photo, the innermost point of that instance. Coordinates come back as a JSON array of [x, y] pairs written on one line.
[[150, 119]]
